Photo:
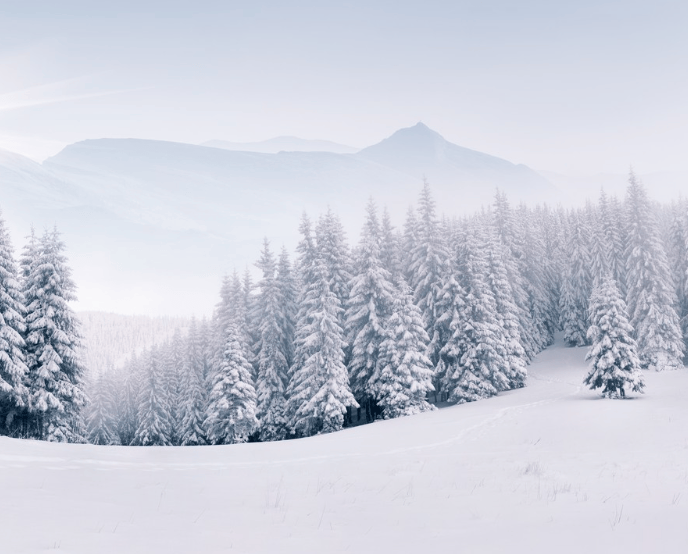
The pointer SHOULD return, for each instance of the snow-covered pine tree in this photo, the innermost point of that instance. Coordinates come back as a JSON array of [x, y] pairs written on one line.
[[614, 360], [390, 248], [154, 421], [288, 291], [449, 323], [132, 379], [333, 250], [55, 374], [553, 260], [409, 242], [319, 392], [249, 309], [403, 375], [307, 270], [611, 223], [271, 358], [507, 311], [231, 416], [678, 248], [577, 284], [600, 250], [172, 360], [650, 294], [193, 405], [541, 307], [101, 417], [369, 305], [428, 265], [483, 367], [504, 222], [13, 370]]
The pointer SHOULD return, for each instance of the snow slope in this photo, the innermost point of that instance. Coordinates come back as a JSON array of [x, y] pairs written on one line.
[[549, 468]]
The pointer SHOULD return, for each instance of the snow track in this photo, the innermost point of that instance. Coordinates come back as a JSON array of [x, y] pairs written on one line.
[[550, 467]]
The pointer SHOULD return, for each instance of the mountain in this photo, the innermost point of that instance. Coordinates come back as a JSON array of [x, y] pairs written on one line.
[[423, 153], [152, 226], [283, 144]]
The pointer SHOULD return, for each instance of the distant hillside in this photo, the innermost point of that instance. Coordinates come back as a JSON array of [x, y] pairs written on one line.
[[283, 144]]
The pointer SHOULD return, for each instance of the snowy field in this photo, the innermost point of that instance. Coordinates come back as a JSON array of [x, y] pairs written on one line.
[[549, 468]]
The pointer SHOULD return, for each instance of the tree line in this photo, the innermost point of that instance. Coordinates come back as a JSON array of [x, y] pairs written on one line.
[[441, 310]]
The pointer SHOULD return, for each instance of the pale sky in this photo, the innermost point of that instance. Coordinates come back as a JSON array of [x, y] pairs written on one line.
[[575, 87]]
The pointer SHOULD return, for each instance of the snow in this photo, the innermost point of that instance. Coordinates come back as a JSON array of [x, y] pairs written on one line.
[[549, 468]]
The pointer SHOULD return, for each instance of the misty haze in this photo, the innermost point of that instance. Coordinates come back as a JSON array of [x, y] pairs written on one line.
[[348, 277]]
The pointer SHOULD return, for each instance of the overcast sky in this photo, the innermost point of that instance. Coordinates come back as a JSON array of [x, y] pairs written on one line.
[[585, 86]]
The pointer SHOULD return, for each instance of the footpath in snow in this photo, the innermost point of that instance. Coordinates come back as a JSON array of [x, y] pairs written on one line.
[[549, 468]]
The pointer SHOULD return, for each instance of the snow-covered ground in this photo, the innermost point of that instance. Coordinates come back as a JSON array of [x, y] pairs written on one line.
[[549, 468]]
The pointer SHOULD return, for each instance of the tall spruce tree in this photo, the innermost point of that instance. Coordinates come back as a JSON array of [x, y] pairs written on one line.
[[13, 370], [154, 421], [504, 222], [650, 294], [615, 365], [480, 343], [288, 292], [333, 250], [55, 373], [679, 264], [231, 416], [319, 392], [102, 416], [577, 285], [403, 374], [271, 357], [193, 405], [428, 265], [368, 308], [506, 309]]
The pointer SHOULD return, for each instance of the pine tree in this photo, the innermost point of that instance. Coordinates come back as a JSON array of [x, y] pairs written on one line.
[[448, 329], [504, 222], [409, 242], [333, 250], [319, 392], [577, 285], [615, 365], [288, 292], [610, 221], [368, 307], [131, 387], [271, 356], [428, 265], [479, 342], [154, 421], [55, 376], [193, 406], [403, 375], [650, 294], [231, 416], [101, 421], [172, 361], [390, 248], [506, 309], [679, 264], [540, 306], [13, 370]]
